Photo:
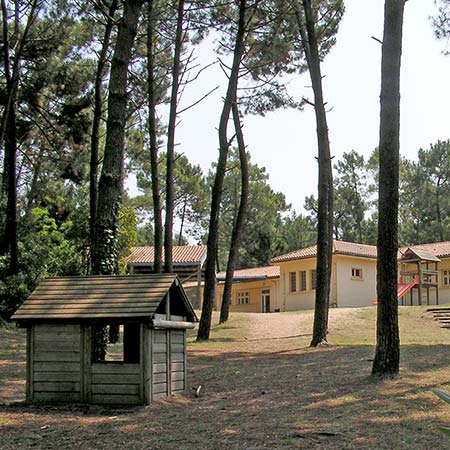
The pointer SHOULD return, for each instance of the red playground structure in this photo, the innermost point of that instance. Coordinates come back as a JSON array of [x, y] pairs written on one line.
[[416, 274]]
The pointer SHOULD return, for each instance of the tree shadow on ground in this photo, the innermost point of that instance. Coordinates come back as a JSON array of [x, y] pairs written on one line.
[[293, 398]]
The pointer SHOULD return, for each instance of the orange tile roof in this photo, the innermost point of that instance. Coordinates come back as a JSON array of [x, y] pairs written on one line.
[[182, 255], [253, 273], [413, 253], [339, 248], [439, 249], [354, 249]]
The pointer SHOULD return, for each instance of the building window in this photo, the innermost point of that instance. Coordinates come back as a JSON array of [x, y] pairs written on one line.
[[243, 298], [357, 274], [302, 275], [292, 281], [446, 277], [313, 279]]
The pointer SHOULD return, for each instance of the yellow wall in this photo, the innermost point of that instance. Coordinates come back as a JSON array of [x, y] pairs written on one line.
[[353, 291], [444, 290], [346, 291], [293, 301], [254, 289]]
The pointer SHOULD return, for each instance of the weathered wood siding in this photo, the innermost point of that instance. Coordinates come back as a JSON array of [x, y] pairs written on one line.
[[178, 360], [60, 368], [169, 362], [54, 363], [160, 359], [116, 383]]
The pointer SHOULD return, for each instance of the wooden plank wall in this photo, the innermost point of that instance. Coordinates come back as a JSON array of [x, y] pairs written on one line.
[[178, 353], [169, 355], [160, 357], [55, 356], [116, 383]]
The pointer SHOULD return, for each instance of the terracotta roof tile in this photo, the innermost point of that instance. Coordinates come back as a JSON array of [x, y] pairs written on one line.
[[439, 249], [354, 249], [413, 253], [339, 248], [182, 254], [254, 273]]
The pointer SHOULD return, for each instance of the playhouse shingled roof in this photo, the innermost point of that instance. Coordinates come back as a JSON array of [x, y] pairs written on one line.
[[103, 297]]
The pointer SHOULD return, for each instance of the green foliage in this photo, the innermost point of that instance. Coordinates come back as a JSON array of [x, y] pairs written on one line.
[[191, 194], [353, 216], [44, 251], [297, 231], [13, 290], [425, 196], [351, 193], [261, 239], [48, 243], [441, 22], [273, 48]]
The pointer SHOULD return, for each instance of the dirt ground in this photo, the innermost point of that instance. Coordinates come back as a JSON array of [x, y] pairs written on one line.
[[262, 388]]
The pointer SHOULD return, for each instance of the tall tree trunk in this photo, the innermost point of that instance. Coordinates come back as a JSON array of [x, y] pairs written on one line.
[[216, 196], [8, 136], [387, 353], [105, 250], [182, 219], [9, 237], [97, 117], [325, 188], [152, 130], [33, 189], [438, 213], [168, 228], [236, 234]]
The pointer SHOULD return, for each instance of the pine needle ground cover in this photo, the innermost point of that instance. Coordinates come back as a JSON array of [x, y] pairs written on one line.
[[262, 388]]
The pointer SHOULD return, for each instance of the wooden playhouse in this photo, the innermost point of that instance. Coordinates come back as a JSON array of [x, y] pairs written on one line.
[[63, 315]]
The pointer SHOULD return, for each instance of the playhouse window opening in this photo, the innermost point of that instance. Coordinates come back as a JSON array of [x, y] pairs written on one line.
[[116, 343]]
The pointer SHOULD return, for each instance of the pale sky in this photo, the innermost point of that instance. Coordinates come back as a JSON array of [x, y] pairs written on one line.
[[285, 141]]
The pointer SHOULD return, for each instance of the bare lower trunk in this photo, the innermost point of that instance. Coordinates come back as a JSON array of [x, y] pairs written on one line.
[[325, 188], [8, 135], [168, 229], [183, 216], [152, 129], [438, 214], [236, 234], [387, 353], [8, 243], [97, 117], [105, 250], [213, 231]]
